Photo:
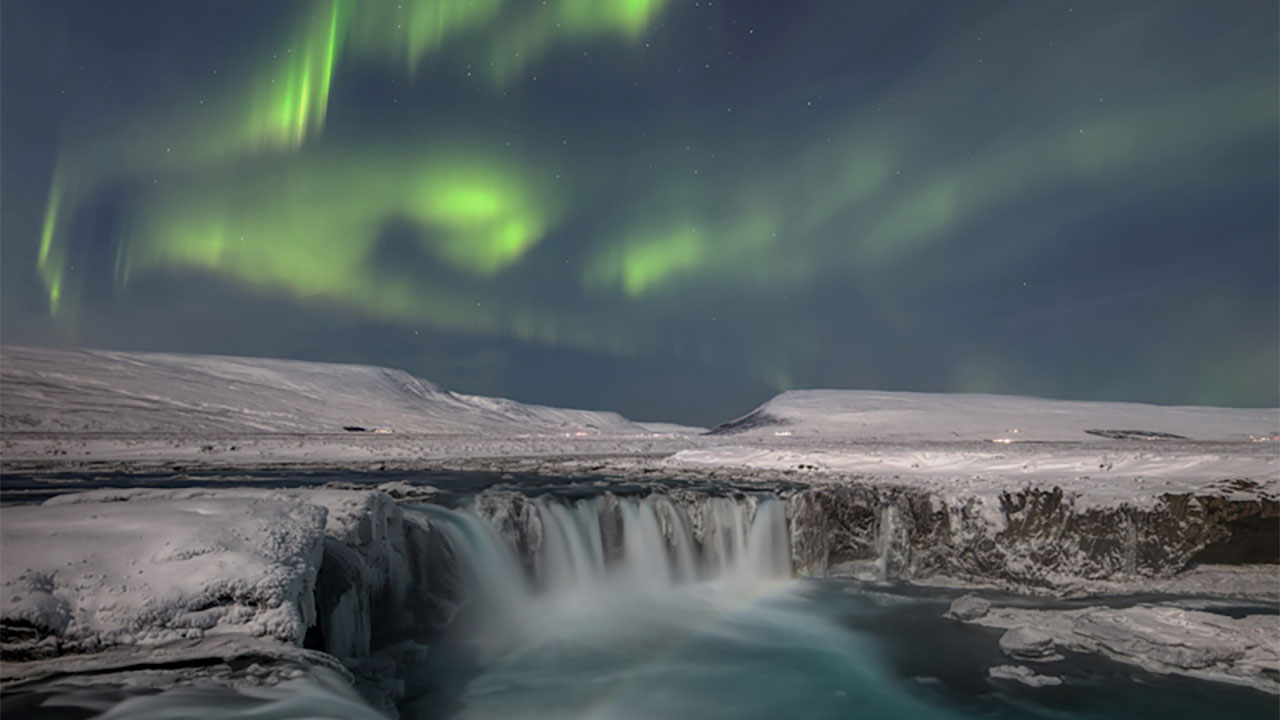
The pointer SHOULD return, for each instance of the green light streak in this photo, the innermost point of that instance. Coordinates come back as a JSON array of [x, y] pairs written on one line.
[[585, 18], [314, 226], [49, 262], [642, 263], [290, 100], [525, 37], [407, 31], [516, 33]]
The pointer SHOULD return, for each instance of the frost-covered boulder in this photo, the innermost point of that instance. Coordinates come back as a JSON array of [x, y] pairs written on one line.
[[968, 607], [1024, 675], [82, 573], [1027, 643], [1162, 639]]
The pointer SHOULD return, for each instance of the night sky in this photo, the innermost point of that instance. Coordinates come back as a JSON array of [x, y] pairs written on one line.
[[673, 209]]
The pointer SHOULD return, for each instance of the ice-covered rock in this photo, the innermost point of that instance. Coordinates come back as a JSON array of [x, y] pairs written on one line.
[[1025, 538], [1162, 639], [387, 574], [343, 571], [105, 581], [968, 607], [1023, 674], [1029, 644], [81, 577]]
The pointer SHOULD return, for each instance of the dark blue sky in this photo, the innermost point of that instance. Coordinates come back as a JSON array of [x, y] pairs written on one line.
[[671, 209]]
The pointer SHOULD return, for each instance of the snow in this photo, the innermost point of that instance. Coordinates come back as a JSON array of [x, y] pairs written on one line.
[[60, 390], [666, 428], [160, 567], [77, 410], [1161, 639], [1100, 477], [1024, 675], [900, 416]]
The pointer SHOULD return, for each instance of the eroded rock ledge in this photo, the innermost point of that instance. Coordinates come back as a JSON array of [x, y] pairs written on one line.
[[1037, 540]]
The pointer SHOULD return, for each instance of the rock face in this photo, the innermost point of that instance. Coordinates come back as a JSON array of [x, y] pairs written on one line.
[[1024, 675], [1029, 644], [1033, 539], [968, 607], [387, 575]]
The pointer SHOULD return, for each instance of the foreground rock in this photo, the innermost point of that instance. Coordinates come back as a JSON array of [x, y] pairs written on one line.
[[139, 587], [968, 607], [1023, 674], [83, 578], [1028, 644], [1200, 644]]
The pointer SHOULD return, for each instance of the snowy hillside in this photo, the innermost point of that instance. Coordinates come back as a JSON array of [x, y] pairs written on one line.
[[907, 416], [46, 389]]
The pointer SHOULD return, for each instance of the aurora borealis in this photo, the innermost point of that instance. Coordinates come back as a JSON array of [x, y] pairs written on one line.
[[669, 208]]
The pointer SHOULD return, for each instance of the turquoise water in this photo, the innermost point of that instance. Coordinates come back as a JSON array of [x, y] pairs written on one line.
[[625, 639], [807, 649]]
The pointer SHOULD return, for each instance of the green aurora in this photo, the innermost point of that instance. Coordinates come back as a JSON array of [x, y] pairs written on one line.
[[502, 215]]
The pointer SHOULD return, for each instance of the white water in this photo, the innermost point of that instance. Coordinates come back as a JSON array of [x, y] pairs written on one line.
[[660, 545], [584, 566], [652, 608]]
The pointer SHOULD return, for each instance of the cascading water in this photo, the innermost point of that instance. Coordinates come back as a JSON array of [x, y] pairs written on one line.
[[656, 546], [660, 606]]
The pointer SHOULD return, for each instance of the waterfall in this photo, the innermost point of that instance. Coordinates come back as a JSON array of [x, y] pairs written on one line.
[[885, 541], [510, 553]]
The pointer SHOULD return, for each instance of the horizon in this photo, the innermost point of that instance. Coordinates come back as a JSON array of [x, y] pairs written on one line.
[[673, 210], [705, 426]]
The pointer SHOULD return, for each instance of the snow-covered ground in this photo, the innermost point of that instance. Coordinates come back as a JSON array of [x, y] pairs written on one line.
[[99, 391], [910, 416], [97, 410], [1098, 476]]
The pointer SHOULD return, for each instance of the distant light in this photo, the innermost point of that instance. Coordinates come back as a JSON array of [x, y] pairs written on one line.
[[1002, 441], [783, 433]]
